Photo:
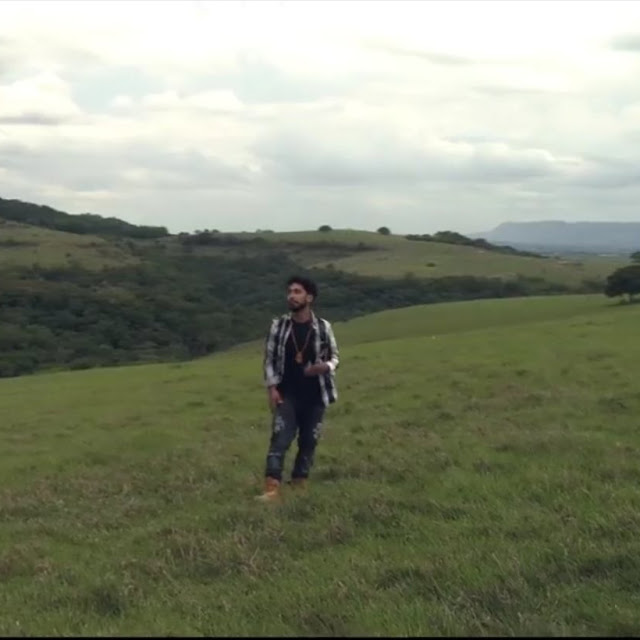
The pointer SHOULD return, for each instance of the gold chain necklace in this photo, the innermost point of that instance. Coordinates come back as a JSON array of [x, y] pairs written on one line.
[[299, 352]]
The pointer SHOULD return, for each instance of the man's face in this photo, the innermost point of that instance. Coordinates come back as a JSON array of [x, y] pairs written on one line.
[[297, 297]]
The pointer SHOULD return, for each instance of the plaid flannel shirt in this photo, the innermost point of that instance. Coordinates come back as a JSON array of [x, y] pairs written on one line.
[[326, 348]]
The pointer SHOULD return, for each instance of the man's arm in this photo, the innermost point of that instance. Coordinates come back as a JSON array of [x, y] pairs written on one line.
[[270, 377], [334, 353], [331, 364]]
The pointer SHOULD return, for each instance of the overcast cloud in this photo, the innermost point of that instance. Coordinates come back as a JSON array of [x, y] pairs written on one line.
[[286, 115]]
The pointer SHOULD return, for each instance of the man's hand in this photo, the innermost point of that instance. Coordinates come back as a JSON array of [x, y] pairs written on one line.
[[316, 369], [274, 397]]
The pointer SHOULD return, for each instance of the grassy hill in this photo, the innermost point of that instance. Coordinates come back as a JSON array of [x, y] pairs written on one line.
[[482, 482], [395, 256], [358, 252], [25, 245], [428, 321], [81, 291]]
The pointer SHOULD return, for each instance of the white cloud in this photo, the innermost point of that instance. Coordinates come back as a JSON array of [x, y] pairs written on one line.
[[122, 102], [44, 98], [213, 101], [267, 114]]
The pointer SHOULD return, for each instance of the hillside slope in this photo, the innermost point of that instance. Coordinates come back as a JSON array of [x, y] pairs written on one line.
[[458, 317], [483, 483], [357, 252], [395, 256], [427, 321], [25, 245], [85, 223], [85, 291]]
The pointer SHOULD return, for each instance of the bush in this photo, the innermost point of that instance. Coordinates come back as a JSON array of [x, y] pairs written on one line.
[[624, 282]]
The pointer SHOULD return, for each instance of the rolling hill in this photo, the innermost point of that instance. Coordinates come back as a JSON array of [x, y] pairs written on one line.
[[84, 291], [429, 321], [374, 255], [25, 245], [34, 234], [358, 252], [479, 483], [395, 256]]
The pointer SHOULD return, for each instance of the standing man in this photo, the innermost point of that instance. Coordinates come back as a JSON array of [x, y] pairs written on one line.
[[300, 360]]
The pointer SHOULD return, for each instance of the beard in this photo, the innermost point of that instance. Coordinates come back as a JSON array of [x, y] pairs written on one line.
[[296, 306]]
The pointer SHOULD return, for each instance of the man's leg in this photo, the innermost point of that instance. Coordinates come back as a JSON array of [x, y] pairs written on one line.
[[310, 423], [283, 431]]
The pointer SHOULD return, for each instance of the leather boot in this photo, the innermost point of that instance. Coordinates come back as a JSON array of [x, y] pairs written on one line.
[[299, 484], [271, 491]]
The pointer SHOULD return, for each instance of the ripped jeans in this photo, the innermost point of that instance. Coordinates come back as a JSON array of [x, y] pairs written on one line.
[[289, 418]]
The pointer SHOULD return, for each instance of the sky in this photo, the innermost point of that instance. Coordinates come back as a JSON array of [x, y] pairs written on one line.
[[237, 116]]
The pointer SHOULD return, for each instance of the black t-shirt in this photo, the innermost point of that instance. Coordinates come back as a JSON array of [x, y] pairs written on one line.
[[294, 382]]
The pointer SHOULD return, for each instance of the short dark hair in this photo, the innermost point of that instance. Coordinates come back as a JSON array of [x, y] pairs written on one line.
[[306, 283]]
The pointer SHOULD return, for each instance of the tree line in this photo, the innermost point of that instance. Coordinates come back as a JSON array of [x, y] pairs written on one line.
[[624, 281], [84, 223], [176, 305], [452, 237], [181, 306]]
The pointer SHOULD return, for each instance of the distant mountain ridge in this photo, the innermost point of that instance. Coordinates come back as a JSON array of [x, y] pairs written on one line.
[[620, 237]]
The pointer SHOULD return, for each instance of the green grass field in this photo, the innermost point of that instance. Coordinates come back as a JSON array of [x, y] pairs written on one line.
[[25, 245], [388, 256], [480, 482], [395, 256]]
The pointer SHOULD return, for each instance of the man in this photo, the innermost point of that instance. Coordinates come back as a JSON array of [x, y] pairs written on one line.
[[300, 360]]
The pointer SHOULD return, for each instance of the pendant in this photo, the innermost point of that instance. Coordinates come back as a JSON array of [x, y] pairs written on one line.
[[299, 358]]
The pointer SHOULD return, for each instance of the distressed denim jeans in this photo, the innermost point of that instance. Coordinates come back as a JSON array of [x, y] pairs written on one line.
[[291, 418]]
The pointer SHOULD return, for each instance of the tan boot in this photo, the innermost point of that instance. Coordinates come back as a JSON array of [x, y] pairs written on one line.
[[299, 484], [271, 491]]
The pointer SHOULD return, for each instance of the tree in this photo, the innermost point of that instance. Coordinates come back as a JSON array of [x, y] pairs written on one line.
[[635, 257], [385, 231], [324, 228], [624, 281]]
